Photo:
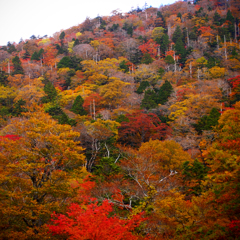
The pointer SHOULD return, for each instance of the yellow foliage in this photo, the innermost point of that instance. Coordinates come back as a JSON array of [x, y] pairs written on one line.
[[113, 92], [44, 41], [30, 94], [168, 154], [157, 32], [70, 46], [178, 109], [98, 79], [63, 71], [67, 97], [78, 34], [217, 72], [7, 93], [102, 129], [95, 44]]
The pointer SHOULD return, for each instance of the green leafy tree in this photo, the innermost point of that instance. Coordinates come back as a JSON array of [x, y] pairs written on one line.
[[76, 42], [217, 19], [128, 27], [164, 92], [193, 36], [147, 59], [50, 91], [17, 66], [207, 122], [57, 113], [77, 106], [18, 108], [3, 78], [180, 50], [163, 41], [169, 59], [149, 100], [123, 65], [11, 48], [106, 167], [230, 17], [35, 56], [177, 34], [143, 86], [62, 36], [71, 62], [193, 175], [122, 118]]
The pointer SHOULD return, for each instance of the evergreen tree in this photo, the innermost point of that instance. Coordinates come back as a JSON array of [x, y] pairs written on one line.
[[160, 72], [17, 66], [142, 87], [194, 172], [106, 167], [164, 92], [71, 62], [216, 19], [3, 78], [77, 106], [149, 100], [77, 42], [18, 108], [122, 118], [57, 113], [177, 34], [62, 36], [11, 48], [50, 91], [146, 59], [193, 36], [26, 55], [230, 17], [159, 14], [136, 56], [163, 41], [169, 59], [123, 66], [180, 50], [35, 56], [207, 122]]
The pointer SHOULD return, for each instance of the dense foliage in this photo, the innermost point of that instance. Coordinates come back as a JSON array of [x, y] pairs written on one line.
[[124, 127]]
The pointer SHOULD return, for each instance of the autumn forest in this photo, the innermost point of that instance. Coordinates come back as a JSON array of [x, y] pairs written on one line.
[[124, 127]]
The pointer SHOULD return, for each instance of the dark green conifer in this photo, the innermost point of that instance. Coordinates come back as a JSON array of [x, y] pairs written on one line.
[[18, 108], [207, 121], [77, 106], [62, 35], [164, 92], [149, 100], [142, 87], [147, 59], [3, 78], [50, 91], [177, 34], [17, 66], [35, 56]]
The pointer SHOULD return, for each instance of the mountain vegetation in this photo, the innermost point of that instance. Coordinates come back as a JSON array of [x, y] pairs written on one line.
[[124, 127]]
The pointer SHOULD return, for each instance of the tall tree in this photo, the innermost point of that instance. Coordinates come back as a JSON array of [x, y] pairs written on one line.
[[17, 66], [77, 106], [35, 174], [140, 127], [164, 92], [50, 91], [177, 34]]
